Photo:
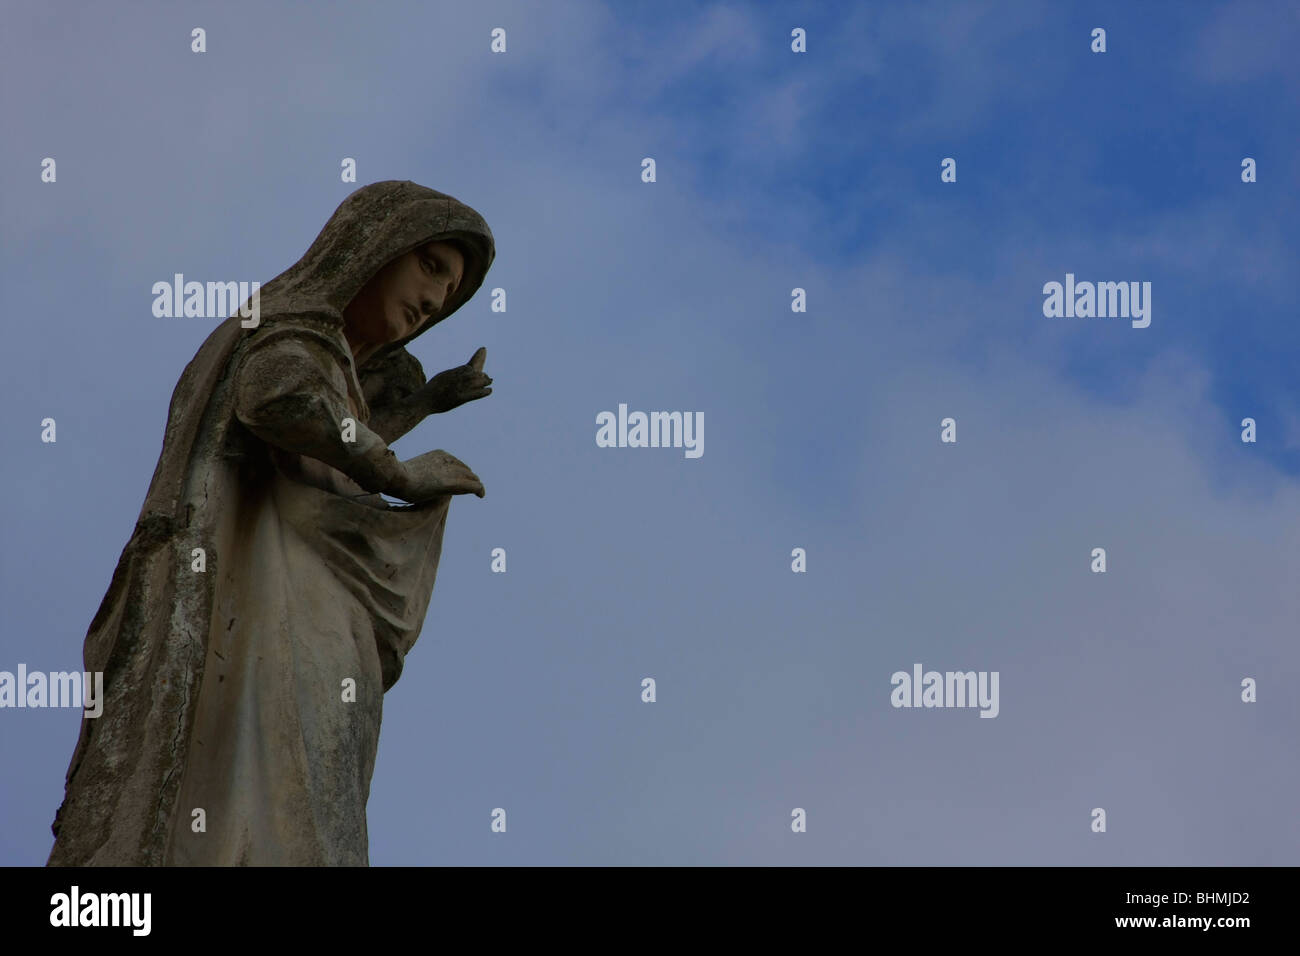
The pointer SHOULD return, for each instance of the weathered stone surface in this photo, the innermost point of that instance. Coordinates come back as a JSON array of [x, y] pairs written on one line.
[[224, 689]]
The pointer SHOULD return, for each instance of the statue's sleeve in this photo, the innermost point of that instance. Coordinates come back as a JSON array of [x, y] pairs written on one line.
[[291, 392], [393, 380]]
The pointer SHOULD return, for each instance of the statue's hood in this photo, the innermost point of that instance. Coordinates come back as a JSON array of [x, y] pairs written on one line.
[[371, 227]]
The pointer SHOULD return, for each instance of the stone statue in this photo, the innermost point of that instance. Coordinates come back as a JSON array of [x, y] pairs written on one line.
[[269, 594]]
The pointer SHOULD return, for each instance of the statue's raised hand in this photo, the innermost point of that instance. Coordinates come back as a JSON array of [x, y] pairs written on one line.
[[436, 473], [456, 386]]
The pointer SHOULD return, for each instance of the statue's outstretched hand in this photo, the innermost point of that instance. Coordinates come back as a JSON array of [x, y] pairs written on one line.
[[433, 474], [456, 386]]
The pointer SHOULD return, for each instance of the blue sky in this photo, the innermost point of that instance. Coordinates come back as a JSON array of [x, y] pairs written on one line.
[[775, 170]]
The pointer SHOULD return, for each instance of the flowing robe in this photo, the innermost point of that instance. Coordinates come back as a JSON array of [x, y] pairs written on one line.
[[331, 591]]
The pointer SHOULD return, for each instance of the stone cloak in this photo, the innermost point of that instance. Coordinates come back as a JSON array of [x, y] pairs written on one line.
[[331, 583]]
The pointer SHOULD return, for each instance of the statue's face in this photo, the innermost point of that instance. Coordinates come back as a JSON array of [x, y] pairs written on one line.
[[404, 294]]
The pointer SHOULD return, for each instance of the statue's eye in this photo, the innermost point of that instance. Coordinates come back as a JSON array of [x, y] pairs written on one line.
[[429, 266]]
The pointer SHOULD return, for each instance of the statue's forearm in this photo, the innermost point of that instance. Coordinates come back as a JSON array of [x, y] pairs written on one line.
[[288, 395], [306, 424]]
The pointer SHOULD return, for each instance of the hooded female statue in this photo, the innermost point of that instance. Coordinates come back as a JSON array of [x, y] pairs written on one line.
[[244, 682]]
